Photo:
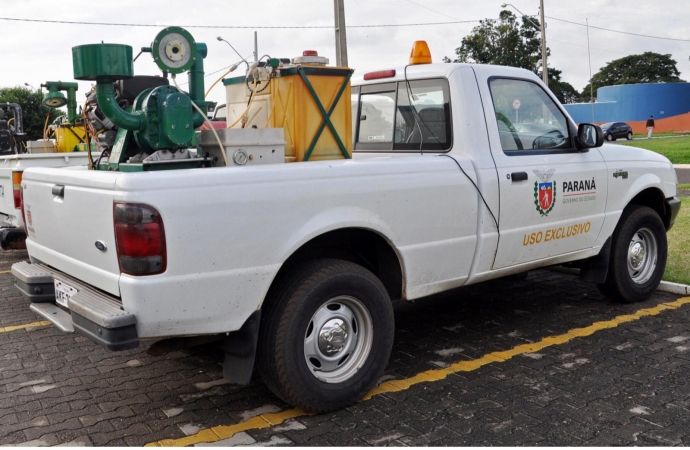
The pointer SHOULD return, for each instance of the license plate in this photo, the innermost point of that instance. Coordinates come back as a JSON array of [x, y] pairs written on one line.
[[63, 293]]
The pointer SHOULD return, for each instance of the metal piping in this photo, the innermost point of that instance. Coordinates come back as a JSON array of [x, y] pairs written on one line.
[[105, 94], [18, 117]]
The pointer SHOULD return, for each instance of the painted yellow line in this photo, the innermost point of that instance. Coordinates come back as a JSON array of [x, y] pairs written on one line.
[[215, 434], [42, 323], [227, 431], [5, 271]]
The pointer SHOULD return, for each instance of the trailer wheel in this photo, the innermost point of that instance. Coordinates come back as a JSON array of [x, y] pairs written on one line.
[[326, 335], [638, 256]]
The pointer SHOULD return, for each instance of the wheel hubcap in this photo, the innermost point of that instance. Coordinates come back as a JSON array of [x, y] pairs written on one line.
[[333, 337], [642, 256], [338, 339]]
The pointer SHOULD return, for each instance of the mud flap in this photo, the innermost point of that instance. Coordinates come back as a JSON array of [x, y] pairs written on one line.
[[240, 351], [596, 268]]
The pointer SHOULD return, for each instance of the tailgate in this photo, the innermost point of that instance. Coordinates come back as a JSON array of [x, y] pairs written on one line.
[[63, 229]]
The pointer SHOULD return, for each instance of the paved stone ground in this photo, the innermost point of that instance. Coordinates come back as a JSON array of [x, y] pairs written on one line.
[[624, 386]]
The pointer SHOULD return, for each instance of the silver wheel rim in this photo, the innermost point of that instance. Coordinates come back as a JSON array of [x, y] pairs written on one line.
[[338, 339], [642, 256]]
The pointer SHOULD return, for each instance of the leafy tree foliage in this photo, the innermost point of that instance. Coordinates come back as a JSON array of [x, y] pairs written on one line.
[[505, 42], [564, 91], [509, 42], [648, 67], [33, 110]]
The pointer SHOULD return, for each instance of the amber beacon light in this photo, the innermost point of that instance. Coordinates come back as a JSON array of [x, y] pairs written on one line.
[[420, 53]]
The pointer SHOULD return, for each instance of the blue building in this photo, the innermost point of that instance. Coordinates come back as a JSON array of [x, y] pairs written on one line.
[[669, 103]]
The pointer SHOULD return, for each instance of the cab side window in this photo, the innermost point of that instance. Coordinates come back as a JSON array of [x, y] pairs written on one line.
[[406, 116], [376, 116], [527, 118]]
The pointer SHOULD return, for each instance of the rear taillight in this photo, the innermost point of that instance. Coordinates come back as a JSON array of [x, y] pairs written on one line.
[[140, 239], [17, 189]]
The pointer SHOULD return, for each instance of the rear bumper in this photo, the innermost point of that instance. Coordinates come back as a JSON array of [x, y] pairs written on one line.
[[672, 208], [92, 313]]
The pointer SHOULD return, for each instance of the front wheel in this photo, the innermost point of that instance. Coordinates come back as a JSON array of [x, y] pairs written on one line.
[[638, 256], [327, 335], [609, 137]]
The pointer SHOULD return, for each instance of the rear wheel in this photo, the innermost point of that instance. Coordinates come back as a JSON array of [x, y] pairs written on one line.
[[638, 256], [629, 136], [327, 335]]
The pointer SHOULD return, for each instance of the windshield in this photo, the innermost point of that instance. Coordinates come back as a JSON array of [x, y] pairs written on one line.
[[606, 126]]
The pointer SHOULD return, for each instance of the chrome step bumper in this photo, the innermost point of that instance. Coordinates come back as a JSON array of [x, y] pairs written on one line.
[[95, 314]]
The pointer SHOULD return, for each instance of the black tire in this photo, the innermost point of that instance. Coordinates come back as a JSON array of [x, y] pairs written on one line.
[[629, 136], [624, 282], [609, 137], [290, 307]]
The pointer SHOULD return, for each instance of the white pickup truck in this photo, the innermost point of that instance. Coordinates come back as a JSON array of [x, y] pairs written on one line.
[[12, 167], [461, 174]]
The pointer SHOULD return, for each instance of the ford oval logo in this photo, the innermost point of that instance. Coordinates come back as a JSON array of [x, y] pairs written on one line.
[[100, 245]]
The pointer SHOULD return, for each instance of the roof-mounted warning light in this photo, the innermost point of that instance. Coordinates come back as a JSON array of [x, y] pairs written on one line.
[[311, 58], [420, 53]]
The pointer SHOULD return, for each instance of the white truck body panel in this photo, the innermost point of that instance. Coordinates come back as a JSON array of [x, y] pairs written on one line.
[[218, 249], [229, 230]]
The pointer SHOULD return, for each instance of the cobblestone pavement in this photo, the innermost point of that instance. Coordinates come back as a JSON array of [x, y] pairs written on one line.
[[625, 385]]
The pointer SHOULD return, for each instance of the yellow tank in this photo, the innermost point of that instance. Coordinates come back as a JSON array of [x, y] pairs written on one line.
[[67, 137], [288, 103]]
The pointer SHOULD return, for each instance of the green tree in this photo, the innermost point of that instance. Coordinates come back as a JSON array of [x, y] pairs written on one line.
[[509, 42], [649, 67], [504, 42], [33, 110], [564, 91]]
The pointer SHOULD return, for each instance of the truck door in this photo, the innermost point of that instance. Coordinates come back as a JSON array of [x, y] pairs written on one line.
[[552, 196]]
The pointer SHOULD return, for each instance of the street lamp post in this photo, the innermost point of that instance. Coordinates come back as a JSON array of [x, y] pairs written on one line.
[[27, 84], [340, 34], [545, 70], [542, 27]]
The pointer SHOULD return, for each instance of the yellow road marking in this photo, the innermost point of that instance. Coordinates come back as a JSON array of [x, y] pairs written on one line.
[[218, 433], [5, 271], [42, 323], [227, 431]]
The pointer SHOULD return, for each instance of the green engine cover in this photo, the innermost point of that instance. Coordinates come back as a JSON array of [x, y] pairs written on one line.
[[95, 61], [168, 115]]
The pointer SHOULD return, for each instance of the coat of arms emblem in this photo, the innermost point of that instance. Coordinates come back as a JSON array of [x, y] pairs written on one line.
[[544, 191]]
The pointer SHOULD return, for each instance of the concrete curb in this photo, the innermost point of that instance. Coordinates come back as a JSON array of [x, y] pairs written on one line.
[[664, 286], [674, 288]]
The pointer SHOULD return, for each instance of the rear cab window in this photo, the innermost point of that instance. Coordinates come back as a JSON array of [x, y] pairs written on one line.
[[528, 120], [403, 116]]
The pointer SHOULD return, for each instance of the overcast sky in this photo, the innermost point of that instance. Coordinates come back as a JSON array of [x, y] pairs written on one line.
[[37, 52]]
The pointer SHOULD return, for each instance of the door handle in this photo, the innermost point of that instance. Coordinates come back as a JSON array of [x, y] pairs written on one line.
[[518, 176], [58, 190]]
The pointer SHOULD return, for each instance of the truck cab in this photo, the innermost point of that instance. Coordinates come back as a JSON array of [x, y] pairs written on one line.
[[545, 191]]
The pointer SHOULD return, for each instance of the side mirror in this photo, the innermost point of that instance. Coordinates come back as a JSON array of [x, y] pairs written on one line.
[[589, 136]]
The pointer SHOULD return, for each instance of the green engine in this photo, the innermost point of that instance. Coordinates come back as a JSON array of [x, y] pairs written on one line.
[[168, 119], [161, 118]]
